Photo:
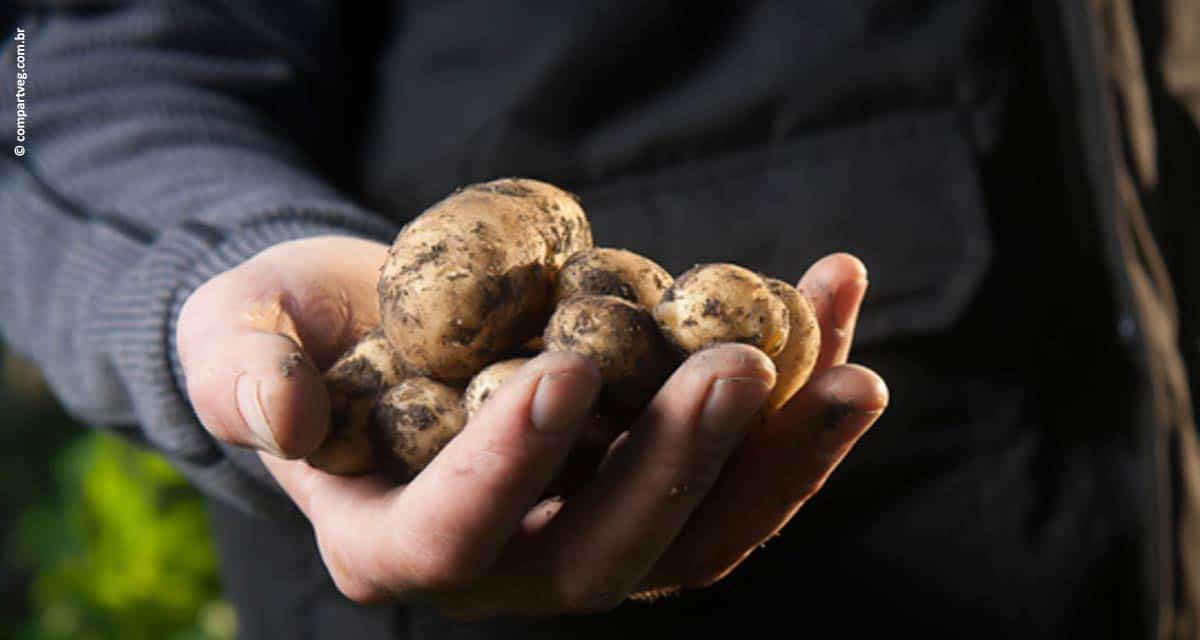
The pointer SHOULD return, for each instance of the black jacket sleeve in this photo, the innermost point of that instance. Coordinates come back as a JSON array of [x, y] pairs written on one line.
[[165, 142]]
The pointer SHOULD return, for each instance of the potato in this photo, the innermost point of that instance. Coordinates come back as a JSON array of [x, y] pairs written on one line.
[[411, 423], [612, 272], [354, 382], [794, 364], [622, 339], [470, 279], [712, 303], [487, 381]]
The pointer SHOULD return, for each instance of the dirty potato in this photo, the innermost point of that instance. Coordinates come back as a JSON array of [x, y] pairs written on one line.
[[612, 272], [487, 381], [354, 382], [794, 364], [624, 342], [411, 423], [470, 279], [717, 302]]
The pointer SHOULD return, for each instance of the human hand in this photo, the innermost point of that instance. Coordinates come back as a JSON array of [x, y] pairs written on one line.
[[679, 501]]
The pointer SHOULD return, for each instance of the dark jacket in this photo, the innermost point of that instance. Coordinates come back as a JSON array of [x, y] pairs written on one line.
[[996, 166]]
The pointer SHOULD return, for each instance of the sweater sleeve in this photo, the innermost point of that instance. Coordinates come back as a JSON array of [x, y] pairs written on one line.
[[165, 142]]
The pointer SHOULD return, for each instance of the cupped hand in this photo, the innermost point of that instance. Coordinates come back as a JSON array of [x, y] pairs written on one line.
[[684, 496]]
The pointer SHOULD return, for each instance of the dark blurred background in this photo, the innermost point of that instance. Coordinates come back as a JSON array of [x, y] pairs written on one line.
[[101, 539]]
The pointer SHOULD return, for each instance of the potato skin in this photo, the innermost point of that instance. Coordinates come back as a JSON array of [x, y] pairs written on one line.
[[487, 381], [470, 279], [601, 271], [624, 342], [354, 383], [411, 423], [719, 302], [794, 364]]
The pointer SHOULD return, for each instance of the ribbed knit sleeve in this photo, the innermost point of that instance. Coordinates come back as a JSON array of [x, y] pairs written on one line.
[[165, 143]]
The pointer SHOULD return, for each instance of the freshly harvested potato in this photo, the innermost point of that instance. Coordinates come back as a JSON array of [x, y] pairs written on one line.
[[354, 382], [624, 342], [487, 381], [717, 302], [411, 423], [794, 364], [470, 279], [612, 272]]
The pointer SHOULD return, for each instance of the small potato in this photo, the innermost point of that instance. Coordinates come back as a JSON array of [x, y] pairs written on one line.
[[354, 382], [712, 303], [487, 381], [612, 272], [411, 423], [794, 364], [624, 342], [470, 279]]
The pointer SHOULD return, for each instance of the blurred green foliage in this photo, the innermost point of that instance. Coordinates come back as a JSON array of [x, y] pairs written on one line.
[[105, 538]]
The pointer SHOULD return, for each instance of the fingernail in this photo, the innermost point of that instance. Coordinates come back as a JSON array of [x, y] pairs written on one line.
[[562, 400], [730, 404], [249, 404]]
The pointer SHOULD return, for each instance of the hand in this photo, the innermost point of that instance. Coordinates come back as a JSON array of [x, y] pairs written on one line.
[[679, 501]]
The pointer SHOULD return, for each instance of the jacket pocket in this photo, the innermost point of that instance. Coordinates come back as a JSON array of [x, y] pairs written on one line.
[[900, 191]]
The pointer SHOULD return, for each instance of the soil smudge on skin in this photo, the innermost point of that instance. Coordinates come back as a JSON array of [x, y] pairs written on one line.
[[837, 413], [289, 363]]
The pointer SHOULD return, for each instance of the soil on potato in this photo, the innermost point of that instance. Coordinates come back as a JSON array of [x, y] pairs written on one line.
[[356, 376], [600, 282]]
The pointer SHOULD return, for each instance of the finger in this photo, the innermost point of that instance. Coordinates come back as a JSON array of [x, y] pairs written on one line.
[[252, 340], [777, 469], [603, 541], [258, 390], [463, 508], [352, 518], [835, 285]]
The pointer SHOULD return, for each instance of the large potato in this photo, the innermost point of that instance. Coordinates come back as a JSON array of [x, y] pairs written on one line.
[[713, 303], [470, 279]]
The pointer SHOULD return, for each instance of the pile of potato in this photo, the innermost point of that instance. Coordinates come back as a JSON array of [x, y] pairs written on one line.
[[498, 271]]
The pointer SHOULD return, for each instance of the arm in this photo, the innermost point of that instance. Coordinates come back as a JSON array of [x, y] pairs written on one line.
[[166, 143]]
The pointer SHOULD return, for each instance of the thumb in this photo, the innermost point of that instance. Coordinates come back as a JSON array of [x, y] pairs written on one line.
[[253, 340], [248, 386]]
